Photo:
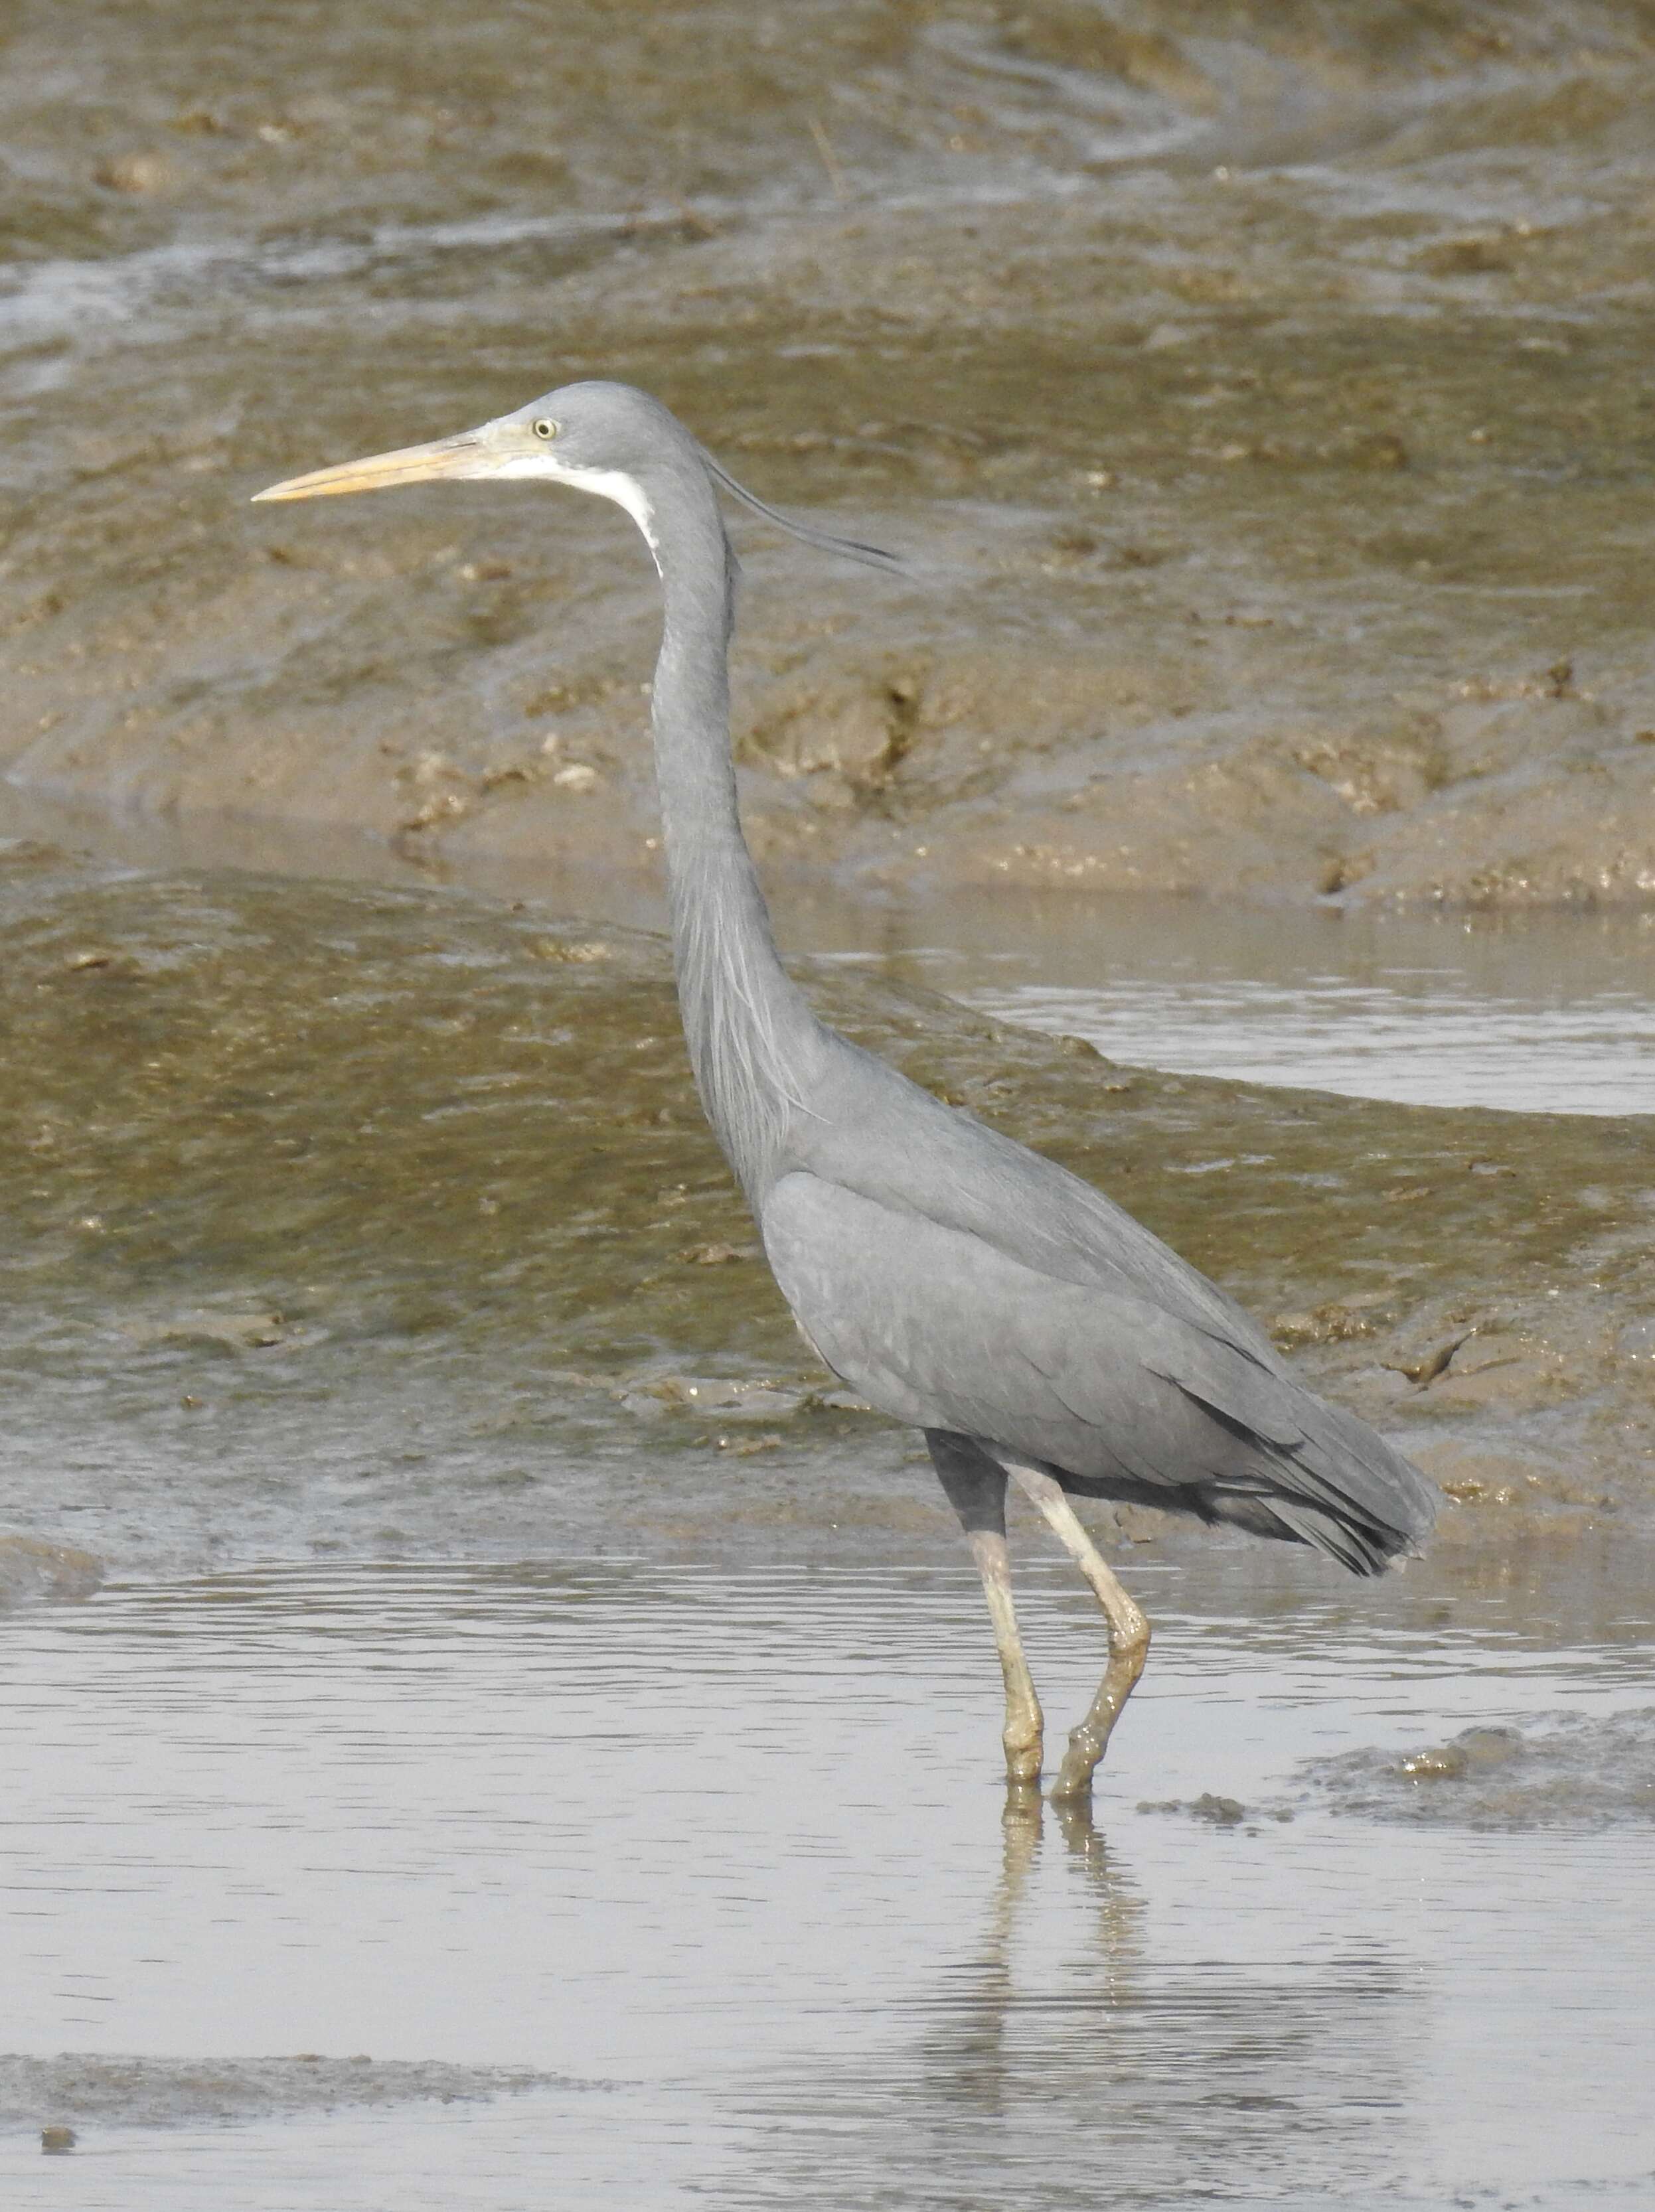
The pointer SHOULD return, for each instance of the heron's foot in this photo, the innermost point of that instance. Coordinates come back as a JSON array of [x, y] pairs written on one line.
[[1074, 1783], [1024, 1753], [1023, 1807], [1089, 1740], [1025, 1732]]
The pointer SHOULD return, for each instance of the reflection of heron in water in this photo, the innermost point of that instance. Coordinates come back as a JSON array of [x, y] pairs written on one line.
[[1094, 2022], [1030, 1327], [989, 2034]]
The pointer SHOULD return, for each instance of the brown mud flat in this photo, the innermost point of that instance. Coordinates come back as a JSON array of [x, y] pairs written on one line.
[[385, 1224], [1259, 394]]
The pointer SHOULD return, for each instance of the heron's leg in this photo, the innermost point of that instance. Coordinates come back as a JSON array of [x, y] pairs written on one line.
[[1129, 1632], [976, 1487]]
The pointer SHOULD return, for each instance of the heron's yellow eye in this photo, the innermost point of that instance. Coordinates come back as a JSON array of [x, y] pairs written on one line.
[[546, 427]]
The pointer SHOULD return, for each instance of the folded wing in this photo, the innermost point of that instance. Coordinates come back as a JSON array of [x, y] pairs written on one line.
[[939, 1328]]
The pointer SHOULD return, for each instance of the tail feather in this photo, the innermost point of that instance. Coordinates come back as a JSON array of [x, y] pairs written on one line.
[[1296, 1446], [1339, 1486], [1364, 1552]]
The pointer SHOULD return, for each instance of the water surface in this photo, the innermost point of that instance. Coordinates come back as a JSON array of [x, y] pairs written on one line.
[[724, 1853], [1535, 1014]]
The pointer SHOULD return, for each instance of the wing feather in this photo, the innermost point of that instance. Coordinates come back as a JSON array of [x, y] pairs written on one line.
[[942, 1328]]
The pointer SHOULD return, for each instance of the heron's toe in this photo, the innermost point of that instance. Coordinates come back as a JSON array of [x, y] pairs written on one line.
[[1085, 1748], [1022, 1762]]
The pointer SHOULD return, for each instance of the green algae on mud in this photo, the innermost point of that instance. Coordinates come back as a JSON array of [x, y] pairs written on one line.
[[353, 1218], [1261, 393]]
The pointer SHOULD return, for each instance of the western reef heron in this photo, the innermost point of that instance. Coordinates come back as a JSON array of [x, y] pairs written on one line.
[[1033, 1330]]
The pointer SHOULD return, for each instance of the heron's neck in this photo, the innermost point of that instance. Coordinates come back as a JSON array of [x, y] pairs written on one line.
[[750, 1033]]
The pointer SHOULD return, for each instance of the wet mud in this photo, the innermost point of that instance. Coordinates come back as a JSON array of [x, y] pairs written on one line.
[[31, 1568], [97, 2091], [385, 1221], [1563, 1769], [1258, 394]]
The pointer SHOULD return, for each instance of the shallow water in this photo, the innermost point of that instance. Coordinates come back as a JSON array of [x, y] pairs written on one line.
[[1419, 1037], [1541, 1014], [724, 1853]]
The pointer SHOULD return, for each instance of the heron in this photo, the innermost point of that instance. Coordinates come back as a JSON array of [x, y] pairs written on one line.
[[1029, 1328]]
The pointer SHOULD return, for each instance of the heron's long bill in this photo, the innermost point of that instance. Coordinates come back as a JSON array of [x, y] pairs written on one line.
[[445, 457]]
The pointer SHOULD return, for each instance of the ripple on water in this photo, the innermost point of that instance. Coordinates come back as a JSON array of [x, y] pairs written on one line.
[[728, 1847]]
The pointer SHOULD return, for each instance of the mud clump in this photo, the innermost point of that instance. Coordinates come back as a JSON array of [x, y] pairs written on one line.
[[32, 1568], [1216, 1810], [1562, 1771]]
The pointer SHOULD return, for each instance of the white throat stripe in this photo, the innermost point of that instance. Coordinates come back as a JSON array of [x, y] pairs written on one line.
[[607, 483]]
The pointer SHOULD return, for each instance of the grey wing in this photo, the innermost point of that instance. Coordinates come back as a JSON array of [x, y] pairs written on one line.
[[885, 1140], [936, 1327]]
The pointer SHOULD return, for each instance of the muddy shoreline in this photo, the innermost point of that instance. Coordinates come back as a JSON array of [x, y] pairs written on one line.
[[383, 1222]]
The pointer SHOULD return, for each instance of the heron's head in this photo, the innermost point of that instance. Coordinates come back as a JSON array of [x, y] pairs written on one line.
[[603, 438], [609, 439]]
